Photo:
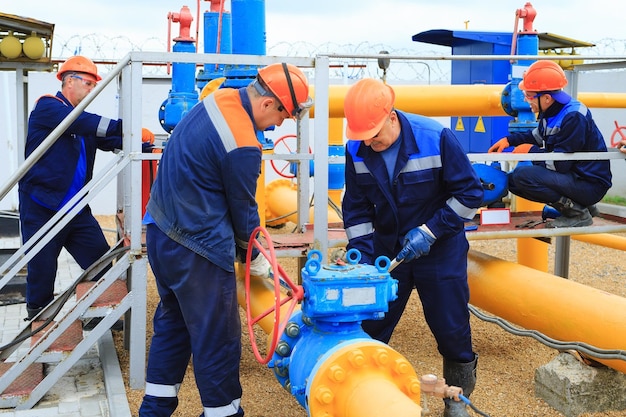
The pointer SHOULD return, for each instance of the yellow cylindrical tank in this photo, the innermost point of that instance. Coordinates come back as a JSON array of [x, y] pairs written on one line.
[[34, 47], [10, 46]]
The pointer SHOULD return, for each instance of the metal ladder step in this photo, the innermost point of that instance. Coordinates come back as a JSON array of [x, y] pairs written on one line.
[[64, 344], [23, 385], [109, 299]]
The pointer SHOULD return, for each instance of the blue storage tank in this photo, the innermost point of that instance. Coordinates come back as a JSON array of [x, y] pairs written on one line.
[[476, 134]]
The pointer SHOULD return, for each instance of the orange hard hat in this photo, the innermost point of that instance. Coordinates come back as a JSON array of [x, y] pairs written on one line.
[[367, 105], [79, 64], [543, 76], [289, 85]]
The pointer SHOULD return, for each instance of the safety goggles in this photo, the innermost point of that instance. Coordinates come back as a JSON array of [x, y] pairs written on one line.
[[88, 83], [531, 95], [299, 109]]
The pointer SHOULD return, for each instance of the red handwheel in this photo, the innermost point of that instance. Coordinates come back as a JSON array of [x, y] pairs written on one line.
[[283, 169], [618, 131], [293, 296]]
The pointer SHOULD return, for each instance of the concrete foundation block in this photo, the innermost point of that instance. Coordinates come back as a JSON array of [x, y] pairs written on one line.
[[573, 388]]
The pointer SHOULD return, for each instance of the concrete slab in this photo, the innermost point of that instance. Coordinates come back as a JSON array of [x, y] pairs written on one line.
[[573, 387]]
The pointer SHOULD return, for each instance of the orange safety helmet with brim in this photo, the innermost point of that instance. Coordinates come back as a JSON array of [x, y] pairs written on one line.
[[79, 64], [289, 85], [546, 77], [366, 106]]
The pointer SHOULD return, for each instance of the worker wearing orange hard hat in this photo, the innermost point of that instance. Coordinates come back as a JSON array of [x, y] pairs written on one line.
[[565, 125], [60, 173], [201, 214], [409, 190]]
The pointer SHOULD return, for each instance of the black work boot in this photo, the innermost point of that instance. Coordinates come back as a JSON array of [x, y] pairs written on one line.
[[593, 210], [462, 375], [32, 312], [572, 214]]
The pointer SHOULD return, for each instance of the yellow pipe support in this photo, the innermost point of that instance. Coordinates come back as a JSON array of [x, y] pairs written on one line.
[[531, 252], [335, 131], [458, 100], [364, 379], [281, 198], [603, 239], [557, 307]]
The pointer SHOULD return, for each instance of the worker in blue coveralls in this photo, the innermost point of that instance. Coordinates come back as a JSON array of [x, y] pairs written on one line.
[[60, 173], [565, 125], [200, 217], [409, 190]]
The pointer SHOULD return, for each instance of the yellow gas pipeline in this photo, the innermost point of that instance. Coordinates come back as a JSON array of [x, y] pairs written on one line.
[[557, 307], [458, 100], [603, 239]]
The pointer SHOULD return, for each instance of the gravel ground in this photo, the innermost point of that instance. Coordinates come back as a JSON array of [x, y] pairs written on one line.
[[506, 366]]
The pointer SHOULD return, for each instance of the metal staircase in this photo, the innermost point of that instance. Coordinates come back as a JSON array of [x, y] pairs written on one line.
[[57, 338]]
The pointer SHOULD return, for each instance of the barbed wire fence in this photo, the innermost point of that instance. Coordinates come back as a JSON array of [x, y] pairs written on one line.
[[102, 48]]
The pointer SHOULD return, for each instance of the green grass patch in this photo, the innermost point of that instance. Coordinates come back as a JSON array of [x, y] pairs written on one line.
[[618, 201]]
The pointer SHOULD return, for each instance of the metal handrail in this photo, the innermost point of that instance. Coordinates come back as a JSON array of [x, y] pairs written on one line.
[[62, 127]]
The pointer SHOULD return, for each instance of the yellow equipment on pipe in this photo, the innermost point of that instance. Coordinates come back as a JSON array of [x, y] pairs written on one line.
[[557, 307], [281, 204], [458, 100]]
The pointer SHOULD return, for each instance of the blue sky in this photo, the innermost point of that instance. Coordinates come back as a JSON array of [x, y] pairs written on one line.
[[325, 22]]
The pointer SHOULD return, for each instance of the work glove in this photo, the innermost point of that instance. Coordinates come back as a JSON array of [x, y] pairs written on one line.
[[147, 136], [417, 242], [500, 145], [523, 148], [260, 267], [338, 256]]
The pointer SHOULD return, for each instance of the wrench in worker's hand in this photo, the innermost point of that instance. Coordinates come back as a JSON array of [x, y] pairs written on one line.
[[393, 264]]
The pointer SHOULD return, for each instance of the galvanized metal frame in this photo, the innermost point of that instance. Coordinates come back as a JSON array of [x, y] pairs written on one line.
[[135, 264]]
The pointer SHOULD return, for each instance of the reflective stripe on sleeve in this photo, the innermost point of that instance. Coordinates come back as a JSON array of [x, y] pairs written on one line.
[[460, 209], [159, 390], [359, 230], [103, 126], [224, 411], [223, 130]]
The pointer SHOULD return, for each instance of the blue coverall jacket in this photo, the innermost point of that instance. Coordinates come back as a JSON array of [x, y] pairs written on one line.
[[49, 180], [52, 181], [204, 194], [562, 128], [434, 184]]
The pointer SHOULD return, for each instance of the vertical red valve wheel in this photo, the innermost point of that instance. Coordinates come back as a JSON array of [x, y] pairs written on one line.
[[293, 296]]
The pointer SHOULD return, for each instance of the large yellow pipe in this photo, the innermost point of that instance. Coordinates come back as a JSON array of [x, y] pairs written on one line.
[[557, 307], [603, 239], [458, 100]]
